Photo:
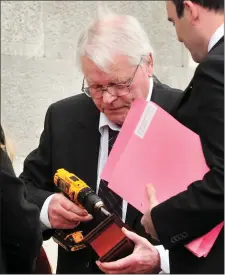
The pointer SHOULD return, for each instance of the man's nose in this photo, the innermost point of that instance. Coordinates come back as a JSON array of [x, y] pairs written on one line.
[[109, 96]]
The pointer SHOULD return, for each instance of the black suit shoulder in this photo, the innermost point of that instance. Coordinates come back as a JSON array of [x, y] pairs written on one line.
[[65, 125], [213, 65], [210, 74], [76, 105], [76, 111], [165, 96], [75, 100]]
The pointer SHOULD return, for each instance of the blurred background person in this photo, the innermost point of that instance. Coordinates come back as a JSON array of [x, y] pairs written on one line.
[[20, 229]]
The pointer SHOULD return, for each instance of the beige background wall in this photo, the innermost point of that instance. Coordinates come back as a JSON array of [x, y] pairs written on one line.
[[38, 41]]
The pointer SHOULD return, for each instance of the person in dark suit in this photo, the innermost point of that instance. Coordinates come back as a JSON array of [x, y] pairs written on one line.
[[193, 213], [20, 230], [77, 131]]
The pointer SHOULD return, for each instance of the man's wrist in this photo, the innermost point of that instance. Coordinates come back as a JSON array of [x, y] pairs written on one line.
[[164, 259], [157, 267], [44, 212]]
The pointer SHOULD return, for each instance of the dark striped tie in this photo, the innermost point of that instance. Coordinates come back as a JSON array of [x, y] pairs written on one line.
[[112, 201]]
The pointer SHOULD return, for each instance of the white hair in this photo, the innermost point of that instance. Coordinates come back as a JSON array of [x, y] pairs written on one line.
[[111, 34]]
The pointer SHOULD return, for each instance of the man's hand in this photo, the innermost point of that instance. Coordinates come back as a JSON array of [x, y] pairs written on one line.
[[144, 259], [64, 214], [146, 220]]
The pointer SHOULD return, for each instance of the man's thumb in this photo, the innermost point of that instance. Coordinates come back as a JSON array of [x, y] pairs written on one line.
[[132, 236], [151, 195]]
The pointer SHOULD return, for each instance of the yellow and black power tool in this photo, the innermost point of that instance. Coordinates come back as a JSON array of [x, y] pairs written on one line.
[[81, 194]]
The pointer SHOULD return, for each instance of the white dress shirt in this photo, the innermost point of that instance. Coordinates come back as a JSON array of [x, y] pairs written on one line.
[[219, 33]]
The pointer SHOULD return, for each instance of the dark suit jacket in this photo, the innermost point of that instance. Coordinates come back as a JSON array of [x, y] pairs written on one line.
[[20, 230], [71, 140], [196, 211]]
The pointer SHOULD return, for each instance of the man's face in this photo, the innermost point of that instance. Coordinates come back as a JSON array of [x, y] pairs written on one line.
[[186, 31], [113, 106]]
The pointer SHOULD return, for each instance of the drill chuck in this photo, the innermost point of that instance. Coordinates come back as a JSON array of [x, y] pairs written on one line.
[[88, 199], [91, 201]]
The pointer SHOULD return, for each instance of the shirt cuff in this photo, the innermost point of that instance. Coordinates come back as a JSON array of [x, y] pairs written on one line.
[[44, 212], [164, 259]]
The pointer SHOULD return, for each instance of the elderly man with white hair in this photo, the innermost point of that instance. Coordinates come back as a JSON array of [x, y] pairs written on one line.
[[115, 56]]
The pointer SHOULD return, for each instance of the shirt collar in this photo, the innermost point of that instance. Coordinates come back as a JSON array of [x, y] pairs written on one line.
[[219, 33], [104, 121]]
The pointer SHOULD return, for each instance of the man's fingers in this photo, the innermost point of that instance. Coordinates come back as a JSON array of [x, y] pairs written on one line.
[[71, 216], [116, 265], [60, 222], [72, 207], [66, 215], [102, 268], [123, 271]]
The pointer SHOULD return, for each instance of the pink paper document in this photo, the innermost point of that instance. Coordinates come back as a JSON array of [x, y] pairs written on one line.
[[201, 246], [160, 151], [153, 147]]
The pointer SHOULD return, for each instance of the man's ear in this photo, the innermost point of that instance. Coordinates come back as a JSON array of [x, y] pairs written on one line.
[[191, 11], [150, 65]]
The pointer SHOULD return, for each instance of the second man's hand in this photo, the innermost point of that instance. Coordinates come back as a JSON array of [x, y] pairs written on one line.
[[146, 220], [144, 259]]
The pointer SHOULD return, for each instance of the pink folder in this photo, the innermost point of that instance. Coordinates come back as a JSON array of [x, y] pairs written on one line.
[[153, 147]]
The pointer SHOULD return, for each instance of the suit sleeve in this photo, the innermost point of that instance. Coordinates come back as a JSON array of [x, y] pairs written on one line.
[[37, 173], [197, 210], [20, 226]]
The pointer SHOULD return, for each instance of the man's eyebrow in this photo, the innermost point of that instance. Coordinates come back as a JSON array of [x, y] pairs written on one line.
[[121, 80], [90, 83], [113, 81]]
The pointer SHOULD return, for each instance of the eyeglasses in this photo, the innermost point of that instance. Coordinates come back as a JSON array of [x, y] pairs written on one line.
[[117, 89]]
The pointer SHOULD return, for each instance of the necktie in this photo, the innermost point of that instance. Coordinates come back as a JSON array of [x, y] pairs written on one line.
[[112, 201]]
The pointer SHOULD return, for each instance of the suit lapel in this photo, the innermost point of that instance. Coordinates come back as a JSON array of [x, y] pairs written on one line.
[[89, 138], [156, 92], [132, 215], [183, 97]]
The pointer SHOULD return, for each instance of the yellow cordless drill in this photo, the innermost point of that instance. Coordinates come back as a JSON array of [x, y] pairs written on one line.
[[81, 194]]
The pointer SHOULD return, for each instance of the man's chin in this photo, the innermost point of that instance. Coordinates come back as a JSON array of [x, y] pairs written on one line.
[[117, 116], [117, 119]]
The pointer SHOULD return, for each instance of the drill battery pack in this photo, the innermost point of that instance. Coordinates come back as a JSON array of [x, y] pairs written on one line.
[[70, 240]]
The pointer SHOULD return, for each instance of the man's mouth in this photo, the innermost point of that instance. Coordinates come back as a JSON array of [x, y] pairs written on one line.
[[111, 110]]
